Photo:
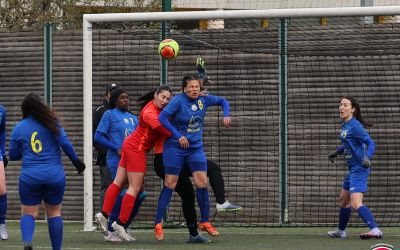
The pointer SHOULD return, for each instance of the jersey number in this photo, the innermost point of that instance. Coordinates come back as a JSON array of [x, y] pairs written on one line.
[[36, 144]]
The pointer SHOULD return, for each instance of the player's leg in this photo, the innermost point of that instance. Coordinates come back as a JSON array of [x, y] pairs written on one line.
[[200, 180], [30, 198], [105, 181], [171, 179], [55, 225], [111, 235], [198, 166], [139, 200], [218, 186], [27, 224], [3, 202], [358, 186], [111, 172], [135, 163], [53, 196], [173, 159], [135, 180], [111, 196], [344, 214], [184, 188]]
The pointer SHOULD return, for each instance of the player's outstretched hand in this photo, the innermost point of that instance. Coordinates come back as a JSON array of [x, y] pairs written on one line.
[[80, 166], [366, 162], [5, 161], [332, 156], [227, 122]]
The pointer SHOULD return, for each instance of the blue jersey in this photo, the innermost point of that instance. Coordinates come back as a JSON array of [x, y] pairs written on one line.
[[39, 149], [116, 125], [2, 131], [187, 116], [356, 142]]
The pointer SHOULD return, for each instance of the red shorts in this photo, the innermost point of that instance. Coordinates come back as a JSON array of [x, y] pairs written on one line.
[[133, 161]]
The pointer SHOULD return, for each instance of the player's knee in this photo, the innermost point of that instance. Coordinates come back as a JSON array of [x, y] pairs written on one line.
[[202, 183], [170, 184], [356, 205], [344, 202], [34, 214]]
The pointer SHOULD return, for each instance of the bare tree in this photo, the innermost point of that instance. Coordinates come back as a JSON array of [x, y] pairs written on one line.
[[18, 15]]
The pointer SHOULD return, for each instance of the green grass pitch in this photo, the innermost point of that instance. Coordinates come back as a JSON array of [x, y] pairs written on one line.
[[234, 238]]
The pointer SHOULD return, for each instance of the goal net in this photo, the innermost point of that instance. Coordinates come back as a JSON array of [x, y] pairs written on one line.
[[283, 72]]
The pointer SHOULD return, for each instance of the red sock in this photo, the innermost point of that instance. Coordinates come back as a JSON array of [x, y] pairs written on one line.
[[128, 203], [111, 196]]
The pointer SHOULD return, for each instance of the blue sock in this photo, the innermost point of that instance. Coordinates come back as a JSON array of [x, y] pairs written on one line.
[[366, 216], [3, 208], [204, 203], [344, 217], [56, 228], [140, 198], [27, 225], [115, 211], [163, 201]]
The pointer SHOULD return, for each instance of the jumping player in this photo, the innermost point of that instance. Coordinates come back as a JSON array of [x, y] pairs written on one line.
[[187, 111]]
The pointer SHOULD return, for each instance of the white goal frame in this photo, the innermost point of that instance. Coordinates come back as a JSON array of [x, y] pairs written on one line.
[[89, 19]]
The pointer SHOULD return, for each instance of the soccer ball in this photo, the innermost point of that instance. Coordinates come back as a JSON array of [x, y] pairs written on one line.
[[168, 49]]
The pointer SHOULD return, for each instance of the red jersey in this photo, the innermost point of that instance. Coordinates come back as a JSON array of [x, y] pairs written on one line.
[[159, 146], [149, 130]]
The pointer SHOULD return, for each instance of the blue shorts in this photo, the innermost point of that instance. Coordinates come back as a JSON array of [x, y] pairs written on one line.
[[31, 194], [356, 180], [174, 158]]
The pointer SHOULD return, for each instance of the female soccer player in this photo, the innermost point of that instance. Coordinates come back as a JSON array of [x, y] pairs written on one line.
[[3, 164], [358, 148], [116, 124], [187, 111], [132, 166], [37, 140]]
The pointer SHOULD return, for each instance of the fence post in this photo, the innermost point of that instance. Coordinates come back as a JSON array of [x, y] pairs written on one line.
[[166, 6], [283, 206], [48, 63]]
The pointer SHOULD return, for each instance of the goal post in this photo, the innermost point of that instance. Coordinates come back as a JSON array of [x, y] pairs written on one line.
[[90, 19]]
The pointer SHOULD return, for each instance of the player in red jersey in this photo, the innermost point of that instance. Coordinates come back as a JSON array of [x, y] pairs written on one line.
[[132, 166]]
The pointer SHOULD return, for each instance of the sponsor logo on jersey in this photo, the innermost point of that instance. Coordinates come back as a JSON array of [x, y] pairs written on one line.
[[343, 134]]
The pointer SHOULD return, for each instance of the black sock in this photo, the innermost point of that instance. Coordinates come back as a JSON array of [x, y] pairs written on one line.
[[193, 230]]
